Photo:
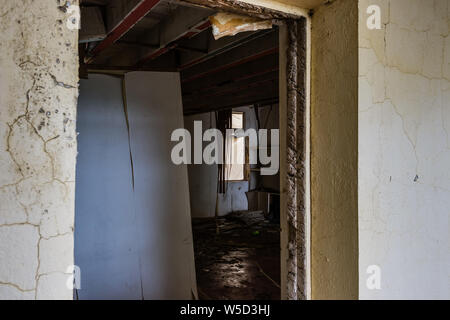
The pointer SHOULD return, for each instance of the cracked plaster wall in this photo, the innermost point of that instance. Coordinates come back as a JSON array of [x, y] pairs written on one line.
[[38, 94], [404, 149]]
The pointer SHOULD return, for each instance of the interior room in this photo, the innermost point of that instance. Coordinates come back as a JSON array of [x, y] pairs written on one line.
[[147, 228], [224, 149]]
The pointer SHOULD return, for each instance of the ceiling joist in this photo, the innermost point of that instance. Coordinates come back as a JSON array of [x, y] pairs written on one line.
[[123, 26], [164, 36]]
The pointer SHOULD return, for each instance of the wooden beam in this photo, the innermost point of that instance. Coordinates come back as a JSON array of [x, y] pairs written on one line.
[[133, 17]]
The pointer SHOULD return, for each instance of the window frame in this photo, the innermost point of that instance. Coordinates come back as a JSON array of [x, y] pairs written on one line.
[[246, 166]]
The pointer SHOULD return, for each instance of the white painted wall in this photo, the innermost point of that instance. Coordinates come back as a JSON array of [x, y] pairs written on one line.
[[404, 149], [132, 244], [203, 178]]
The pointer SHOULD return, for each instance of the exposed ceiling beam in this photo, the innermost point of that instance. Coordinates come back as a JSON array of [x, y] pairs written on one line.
[[250, 94], [223, 67], [258, 47], [235, 85], [183, 23], [123, 26], [254, 67], [214, 48], [257, 94]]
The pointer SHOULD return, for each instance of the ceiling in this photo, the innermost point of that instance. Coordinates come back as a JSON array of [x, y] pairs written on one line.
[[168, 35]]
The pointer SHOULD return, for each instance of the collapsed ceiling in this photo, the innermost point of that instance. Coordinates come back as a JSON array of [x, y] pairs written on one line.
[[118, 36]]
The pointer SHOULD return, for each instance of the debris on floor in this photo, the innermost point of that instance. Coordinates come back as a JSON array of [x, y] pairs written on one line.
[[242, 262]]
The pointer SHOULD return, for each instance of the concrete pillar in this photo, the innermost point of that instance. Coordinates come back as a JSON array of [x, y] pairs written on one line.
[[38, 96]]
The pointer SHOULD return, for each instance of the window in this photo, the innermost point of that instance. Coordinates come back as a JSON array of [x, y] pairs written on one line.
[[236, 150]]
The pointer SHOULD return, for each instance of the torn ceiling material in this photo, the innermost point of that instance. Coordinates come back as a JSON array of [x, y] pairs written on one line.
[[230, 24]]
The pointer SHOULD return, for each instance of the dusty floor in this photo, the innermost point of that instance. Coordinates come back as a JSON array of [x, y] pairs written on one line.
[[242, 262]]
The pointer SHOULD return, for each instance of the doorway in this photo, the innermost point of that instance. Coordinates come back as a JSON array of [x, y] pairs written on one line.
[[242, 74]]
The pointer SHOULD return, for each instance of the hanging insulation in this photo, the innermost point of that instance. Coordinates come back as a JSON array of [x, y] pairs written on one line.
[[230, 24]]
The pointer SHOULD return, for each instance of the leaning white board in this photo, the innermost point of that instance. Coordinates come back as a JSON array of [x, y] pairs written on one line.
[[132, 244], [161, 188], [106, 245]]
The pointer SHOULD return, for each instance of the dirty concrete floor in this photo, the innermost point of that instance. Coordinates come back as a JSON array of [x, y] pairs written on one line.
[[242, 262]]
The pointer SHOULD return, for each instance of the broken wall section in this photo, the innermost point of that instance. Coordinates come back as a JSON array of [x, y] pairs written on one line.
[[38, 95]]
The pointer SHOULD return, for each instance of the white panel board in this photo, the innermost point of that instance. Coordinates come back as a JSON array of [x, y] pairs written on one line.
[[106, 247], [161, 188]]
